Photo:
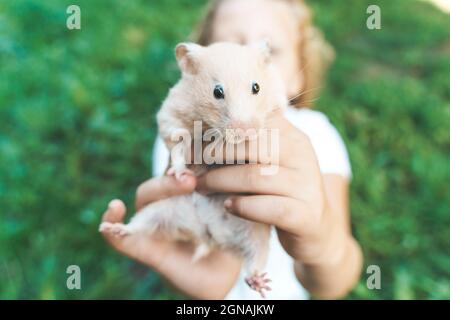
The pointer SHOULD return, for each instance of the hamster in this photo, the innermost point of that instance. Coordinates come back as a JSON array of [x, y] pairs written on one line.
[[226, 86]]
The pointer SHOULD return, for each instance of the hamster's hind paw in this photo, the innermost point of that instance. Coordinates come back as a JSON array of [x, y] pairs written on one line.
[[259, 283], [116, 229], [180, 174]]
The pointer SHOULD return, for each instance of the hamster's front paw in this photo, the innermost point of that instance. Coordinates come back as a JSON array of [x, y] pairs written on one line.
[[116, 229], [180, 173], [258, 282]]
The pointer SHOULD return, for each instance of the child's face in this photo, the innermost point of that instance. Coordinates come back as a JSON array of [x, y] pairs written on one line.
[[254, 20]]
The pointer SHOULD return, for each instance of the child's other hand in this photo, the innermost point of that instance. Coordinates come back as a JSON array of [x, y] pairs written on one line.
[[211, 277], [150, 251]]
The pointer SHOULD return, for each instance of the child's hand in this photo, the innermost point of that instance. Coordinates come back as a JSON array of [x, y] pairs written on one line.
[[293, 200], [211, 277]]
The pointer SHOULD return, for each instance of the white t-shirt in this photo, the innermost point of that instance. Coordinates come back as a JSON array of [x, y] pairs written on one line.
[[333, 158]]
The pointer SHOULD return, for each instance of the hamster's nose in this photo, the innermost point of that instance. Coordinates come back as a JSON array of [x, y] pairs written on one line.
[[237, 124]]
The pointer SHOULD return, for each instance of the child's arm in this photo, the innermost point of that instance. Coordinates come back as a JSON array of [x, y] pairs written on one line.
[[334, 277]]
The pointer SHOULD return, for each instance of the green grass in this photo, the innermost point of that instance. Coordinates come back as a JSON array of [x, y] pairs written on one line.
[[77, 124]]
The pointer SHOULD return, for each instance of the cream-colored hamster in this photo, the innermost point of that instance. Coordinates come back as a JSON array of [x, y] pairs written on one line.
[[226, 86]]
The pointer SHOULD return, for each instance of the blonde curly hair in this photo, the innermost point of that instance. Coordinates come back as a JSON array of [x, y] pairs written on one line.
[[315, 53]]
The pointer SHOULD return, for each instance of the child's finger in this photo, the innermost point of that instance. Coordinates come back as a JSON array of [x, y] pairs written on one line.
[[115, 213], [282, 212], [161, 188], [249, 179]]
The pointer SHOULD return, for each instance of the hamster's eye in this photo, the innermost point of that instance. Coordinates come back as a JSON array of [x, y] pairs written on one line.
[[255, 88], [219, 93]]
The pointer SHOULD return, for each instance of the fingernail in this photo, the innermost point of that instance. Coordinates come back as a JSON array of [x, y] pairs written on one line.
[[112, 203], [227, 204]]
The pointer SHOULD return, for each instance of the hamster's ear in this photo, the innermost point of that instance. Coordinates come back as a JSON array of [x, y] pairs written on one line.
[[263, 48], [186, 57]]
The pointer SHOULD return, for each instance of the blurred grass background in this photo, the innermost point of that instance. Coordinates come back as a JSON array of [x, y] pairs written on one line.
[[77, 125]]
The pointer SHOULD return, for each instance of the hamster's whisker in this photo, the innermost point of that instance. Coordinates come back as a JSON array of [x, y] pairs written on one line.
[[308, 101], [302, 69], [275, 109], [303, 93]]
